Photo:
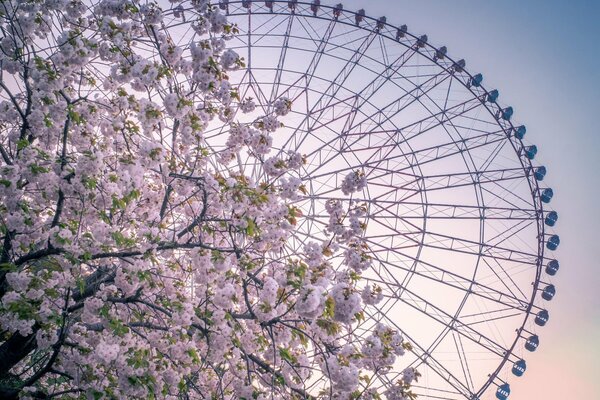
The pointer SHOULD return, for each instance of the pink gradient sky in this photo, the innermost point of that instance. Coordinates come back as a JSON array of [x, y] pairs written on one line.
[[543, 57]]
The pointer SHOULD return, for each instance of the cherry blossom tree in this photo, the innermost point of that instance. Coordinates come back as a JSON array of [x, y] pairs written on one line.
[[135, 261]]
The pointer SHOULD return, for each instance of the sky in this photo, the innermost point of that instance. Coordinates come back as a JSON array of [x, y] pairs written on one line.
[[543, 57]]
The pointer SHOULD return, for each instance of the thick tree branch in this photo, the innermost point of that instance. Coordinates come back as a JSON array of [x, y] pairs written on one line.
[[63, 162]]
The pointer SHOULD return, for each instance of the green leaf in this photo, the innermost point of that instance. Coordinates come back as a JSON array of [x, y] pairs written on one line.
[[118, 328], [251, 229], [194, 355], [359, 316], [280, 380], [133, 380], [104, 311], [287, 355], [89, 182], [81, 285], [37, 169], [331, 327], [8, 267], [329, 307], [22, 143]]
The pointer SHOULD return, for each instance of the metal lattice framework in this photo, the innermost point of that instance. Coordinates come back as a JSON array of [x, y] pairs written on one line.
[[457, 225]]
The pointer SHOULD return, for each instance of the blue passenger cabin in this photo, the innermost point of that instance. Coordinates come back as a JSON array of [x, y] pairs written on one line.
[[503, 391], [551, 218], [507, 113], [549, 292], [476, 80], [532, 343], [552, 267], [519, 368], [530, 151], [553, 242], [542, 318], [520, 132], [546, 195], [539, 173], [493, 96]]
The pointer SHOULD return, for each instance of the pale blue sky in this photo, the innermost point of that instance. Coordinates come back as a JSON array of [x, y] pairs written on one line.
[[543, 56]]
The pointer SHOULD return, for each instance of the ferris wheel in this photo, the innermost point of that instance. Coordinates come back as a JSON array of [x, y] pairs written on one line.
[[459, 226]]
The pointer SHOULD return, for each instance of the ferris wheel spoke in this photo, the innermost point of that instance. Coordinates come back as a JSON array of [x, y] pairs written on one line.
[[410, 210], [371, 88], [449, 149], [448, 212], [423, 355], [309, 74], [446, 277], [361, 132], [510, 231], [282, 59], [420, 126], [427, 355], [506, 196], [407, 99], [486, 317], [434, 393], [448, 243], [415, 158], [330, 93], [443, 275], [447, 320], [380, 79], [258, 92], [385, 150], [450, 217], [451, 181], [463, 361], [406, 242], [464, 246], [500, 274], [426, 270], [493, 156], [263, 100], [431, 155]]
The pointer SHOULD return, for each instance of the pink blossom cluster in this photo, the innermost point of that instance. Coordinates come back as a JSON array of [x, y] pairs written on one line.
[[354, 182]]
